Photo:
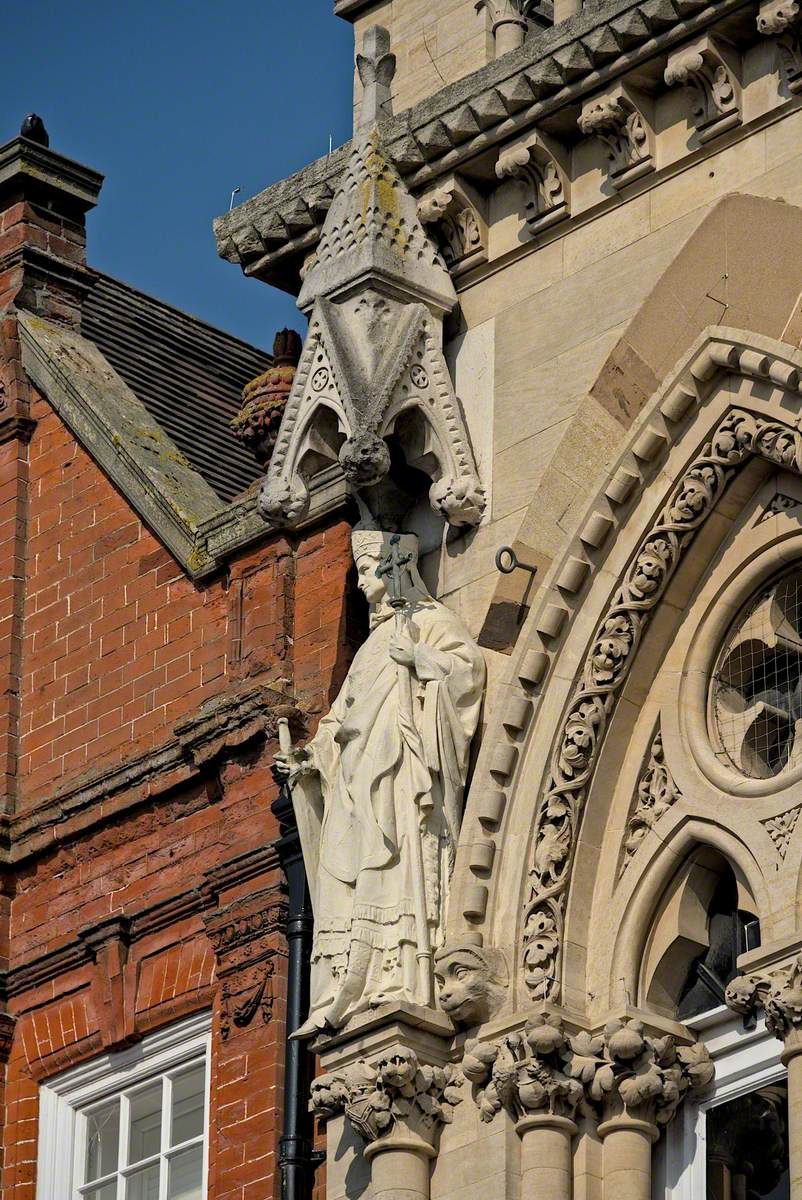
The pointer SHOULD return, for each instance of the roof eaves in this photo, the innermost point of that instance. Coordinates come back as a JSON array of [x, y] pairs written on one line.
[[119, 433]]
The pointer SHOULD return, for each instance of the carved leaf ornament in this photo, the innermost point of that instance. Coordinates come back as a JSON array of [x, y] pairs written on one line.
[[546, 1069], [739, 435]]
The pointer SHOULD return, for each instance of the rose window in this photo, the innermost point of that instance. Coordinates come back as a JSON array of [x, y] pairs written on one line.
[[756, 690]]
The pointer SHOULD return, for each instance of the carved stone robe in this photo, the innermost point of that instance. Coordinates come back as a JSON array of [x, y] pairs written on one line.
[[353, 827]]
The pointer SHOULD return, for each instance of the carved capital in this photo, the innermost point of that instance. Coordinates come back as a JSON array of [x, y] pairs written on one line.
[[620, 1071], [542, 167], [246, 936], [507, 12], [778, 993], [621, 119], [455, 214], [710, 69], [394, 1094], [780, 19]]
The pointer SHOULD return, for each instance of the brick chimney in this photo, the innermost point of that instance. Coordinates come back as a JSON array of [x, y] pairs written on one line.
[[44, 199]]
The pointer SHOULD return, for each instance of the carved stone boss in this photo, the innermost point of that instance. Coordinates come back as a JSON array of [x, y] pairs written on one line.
[[372, 366], [739, 435], [630, 1082]]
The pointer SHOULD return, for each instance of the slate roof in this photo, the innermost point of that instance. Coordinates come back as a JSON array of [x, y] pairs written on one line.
[[187, 374]]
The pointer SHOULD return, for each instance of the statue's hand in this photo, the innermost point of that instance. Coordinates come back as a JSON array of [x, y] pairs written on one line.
[[402, 649], [289, 764]]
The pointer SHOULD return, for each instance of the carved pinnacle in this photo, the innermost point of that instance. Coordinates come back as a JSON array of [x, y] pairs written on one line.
[[376, 67]]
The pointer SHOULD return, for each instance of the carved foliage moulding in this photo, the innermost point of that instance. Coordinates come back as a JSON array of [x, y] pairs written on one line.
[[454, 212], [656, 793], [738, 436]]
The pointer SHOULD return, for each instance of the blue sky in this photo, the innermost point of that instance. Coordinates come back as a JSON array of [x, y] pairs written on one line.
[[177, 103]]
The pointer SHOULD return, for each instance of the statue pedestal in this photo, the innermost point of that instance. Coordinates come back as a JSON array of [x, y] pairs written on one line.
[[389, 1073]]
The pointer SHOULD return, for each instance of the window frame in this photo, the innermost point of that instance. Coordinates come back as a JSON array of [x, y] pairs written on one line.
[[64, 1097], [745, 1059]]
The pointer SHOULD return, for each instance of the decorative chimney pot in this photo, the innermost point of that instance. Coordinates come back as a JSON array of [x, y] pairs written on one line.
[[257, 423]]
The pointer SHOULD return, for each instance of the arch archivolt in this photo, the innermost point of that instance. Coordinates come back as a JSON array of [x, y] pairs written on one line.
[[725, 421]]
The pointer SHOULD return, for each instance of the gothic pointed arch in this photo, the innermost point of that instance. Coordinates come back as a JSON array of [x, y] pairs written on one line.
[[727, 413]]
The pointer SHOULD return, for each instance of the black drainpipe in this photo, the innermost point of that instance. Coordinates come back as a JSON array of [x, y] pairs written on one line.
[[296, 1159]]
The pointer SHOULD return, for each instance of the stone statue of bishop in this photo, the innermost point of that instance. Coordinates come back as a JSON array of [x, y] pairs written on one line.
[[378, 792]]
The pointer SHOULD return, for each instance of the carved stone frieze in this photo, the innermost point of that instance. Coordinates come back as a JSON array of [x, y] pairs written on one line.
[[710, 69], [738, 436], [455, 214], [621, 1070], [393, 1094], [472, 981], [621, 119], [542, 166], [780, 20], [655, 794]]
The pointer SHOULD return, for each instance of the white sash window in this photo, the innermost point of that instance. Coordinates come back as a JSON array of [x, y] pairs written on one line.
[[131, 1125]]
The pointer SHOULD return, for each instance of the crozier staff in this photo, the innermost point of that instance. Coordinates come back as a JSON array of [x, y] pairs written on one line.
[[378, 791]]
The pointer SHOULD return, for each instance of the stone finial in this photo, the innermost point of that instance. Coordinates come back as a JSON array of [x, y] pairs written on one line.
[[33, 128], [394, 1093], [264, 399], [376, 68], [621, 1070]]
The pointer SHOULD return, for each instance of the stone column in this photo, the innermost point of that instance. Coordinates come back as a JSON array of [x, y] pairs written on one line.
[[627, 1157], [633, 1083], [395, 1088], [779, 993], [546, 1156]]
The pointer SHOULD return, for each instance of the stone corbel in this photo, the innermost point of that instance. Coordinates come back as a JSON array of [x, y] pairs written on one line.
[[711, 70], [621, 118], [114, 982], [398, 1105], [456, 214], [780, 19], [542, 165], [633, 1083]]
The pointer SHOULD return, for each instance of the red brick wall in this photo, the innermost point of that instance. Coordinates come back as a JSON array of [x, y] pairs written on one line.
[[117, 645]]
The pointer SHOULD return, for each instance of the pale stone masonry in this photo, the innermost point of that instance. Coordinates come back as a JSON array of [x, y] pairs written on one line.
[[616, 199]]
